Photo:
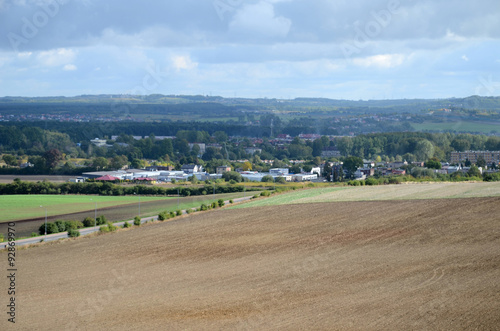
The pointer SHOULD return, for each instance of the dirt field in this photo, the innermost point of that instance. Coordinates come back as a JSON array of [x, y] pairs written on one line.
[[381, 265]]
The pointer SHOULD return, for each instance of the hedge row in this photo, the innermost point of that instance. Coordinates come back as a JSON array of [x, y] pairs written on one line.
[[21, 187]]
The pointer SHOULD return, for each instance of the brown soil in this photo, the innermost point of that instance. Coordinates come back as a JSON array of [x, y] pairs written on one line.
[[389, 265]]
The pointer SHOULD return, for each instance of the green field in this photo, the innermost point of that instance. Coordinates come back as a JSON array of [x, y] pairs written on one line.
[[16, 207], [459, 126], [382, 192]]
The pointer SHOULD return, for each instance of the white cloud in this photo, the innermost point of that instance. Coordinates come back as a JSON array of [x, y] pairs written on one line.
[[70, 67], [259, 20], [465, 58], [183, 62], [56, 57], [381, 61]]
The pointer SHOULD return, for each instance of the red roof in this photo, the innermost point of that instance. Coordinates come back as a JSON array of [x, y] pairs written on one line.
[[107, 178]]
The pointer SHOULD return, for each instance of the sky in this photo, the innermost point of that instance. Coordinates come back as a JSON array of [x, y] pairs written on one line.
[[339, 49]]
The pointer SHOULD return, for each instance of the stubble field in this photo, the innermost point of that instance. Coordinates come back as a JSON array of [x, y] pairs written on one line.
[[377, 265]]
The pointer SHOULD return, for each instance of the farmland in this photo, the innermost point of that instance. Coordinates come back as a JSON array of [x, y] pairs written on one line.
[[429, 264], [383, 192], [19, 207], [67, 207]]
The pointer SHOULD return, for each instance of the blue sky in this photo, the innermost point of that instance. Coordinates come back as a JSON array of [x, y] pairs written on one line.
[[364, 49]]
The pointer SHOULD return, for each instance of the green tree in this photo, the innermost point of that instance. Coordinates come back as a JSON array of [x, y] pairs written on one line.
[[352, 163], [52, 158], [232, 175], [424, 150], [460, 145], [433, 164], [481, 162], [10, 160], [137, 164], [118, 162], [267, 179], [474, 171], [100, 163], [220, 136]]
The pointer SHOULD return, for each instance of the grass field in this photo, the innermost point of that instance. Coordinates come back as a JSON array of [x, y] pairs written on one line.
[[459, 126], [382, 192], [18, 207]]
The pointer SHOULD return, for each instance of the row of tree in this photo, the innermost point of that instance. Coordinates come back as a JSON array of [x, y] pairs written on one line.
[[106, 188]]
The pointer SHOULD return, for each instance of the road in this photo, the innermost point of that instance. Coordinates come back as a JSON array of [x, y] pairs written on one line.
[[86, 231]]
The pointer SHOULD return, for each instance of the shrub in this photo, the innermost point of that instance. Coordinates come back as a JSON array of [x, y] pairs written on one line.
[[126, 225], [371, 181], [51, 228], [88, 222], [111, 227], [33, 234], [137, 221], [72, 233], [221, 203], [189, 211], [61, 225], [163, 216], [101, 220], [255, 197], [2, 238], [178, 212], [265, 193], [172, 214], [213, 205], [231, 201], [267, 179], [203, 207], [104, 229]]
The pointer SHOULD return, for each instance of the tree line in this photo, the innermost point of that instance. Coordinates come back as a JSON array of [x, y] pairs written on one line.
[[106, 188]]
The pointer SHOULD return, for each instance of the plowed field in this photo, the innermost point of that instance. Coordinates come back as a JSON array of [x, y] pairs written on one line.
[[378, 265]]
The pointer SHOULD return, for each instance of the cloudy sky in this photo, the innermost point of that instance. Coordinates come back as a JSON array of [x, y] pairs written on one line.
[[342, 49]]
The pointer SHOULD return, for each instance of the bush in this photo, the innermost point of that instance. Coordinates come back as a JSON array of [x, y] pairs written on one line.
[[88, 222], [51, 228], [163, 215], [255, 197], [267, 179], [203, 207], [280, 180], [371, 181], [213, 205], [265, 193], [221, 203], [111, 227], [172, 214], [189, 211], [104, 229], [231, 201], [72, 233], [101, 220], [2, 238], [73, 225], [33, 234], [137, 221], [178, 212], [126, 225], [61, 225]]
